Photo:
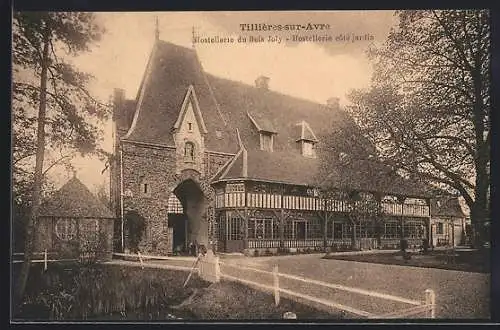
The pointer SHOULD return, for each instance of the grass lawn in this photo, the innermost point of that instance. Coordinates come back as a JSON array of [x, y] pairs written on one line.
[[121, 293], [469, 261], [459, 294], [228, 300]]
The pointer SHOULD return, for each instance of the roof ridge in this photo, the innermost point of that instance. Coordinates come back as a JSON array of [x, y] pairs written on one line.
[[217, 106], [277, 93]]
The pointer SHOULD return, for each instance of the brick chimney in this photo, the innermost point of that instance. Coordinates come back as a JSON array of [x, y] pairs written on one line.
[[118, 105], [333, 103], [262, 82], [118, 96]]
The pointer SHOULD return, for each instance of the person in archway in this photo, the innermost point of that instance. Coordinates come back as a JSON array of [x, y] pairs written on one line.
[[193, 248]]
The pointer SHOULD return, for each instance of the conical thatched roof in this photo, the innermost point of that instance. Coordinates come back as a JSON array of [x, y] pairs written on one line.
[[74, 200]]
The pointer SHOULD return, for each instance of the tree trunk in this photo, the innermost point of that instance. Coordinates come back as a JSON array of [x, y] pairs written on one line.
[[353, 236], [37, 186], [480, 209]]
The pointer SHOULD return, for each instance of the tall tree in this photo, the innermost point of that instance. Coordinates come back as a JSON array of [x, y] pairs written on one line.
[[51, 94], [428, 109]]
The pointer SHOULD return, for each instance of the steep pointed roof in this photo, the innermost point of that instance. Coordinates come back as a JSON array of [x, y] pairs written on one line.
[[74, 200], [171, 71], [228, 106]]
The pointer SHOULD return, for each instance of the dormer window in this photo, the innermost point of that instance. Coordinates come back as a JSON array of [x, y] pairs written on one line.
[[308, 149], [306, 139], [266, 141], [189, 151], [190, 127], [266, 131]]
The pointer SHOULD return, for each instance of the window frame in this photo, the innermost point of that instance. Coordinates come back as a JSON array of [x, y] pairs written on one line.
[[312, 150], [70, 231], [189, 156], [263, 138]]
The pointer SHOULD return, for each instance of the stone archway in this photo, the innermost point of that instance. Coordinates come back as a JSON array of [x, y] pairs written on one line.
[[194, 204]]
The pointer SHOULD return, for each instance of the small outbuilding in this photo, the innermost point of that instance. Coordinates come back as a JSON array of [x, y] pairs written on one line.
[[74, 224], [447, 222]]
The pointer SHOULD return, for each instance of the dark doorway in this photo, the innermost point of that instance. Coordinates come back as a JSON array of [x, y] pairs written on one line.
[[300, 230], [193, 203], [179, 223]]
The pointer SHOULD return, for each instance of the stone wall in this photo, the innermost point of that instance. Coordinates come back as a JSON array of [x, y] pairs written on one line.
[[62, 246], [156, 167]]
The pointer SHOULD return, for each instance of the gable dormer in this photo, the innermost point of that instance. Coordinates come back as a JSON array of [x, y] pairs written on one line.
[[266, 132], [306, 140], [189, 134]]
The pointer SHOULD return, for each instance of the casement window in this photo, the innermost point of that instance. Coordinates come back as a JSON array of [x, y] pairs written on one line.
[[264, 228], [266, 141], [174, 205], [308, 149], [413, 229], [391, 230], [189, 151], [89, 229], [234, 228], [440, 228], [337, 230], [66, 229], [314, 228], [235, 187]]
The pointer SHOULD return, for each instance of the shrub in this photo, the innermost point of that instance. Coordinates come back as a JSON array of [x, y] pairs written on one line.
[[136, 224]]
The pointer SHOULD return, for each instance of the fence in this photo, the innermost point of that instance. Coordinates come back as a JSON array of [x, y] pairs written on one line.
[[210, 270], [45, 259]]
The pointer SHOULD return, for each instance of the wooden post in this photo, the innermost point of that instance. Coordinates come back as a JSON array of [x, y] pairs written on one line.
[[45, 260], [276, 285], [430, 300], [217, 269], [140, 259]]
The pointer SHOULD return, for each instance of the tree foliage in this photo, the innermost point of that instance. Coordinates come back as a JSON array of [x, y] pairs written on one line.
[[428, 109], [73, 113], [53, 112]]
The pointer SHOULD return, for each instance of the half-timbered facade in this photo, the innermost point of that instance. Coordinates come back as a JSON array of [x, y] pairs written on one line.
[[216, 162]]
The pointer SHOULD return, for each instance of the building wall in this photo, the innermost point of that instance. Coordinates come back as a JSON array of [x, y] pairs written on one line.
[[157, 167], [71, 238], [452, 231]]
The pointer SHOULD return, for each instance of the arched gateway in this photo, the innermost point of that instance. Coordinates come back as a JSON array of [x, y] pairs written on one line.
[[195, 148], [188, 220]]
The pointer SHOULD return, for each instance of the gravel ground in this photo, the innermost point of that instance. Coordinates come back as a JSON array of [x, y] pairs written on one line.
[[459, 295]]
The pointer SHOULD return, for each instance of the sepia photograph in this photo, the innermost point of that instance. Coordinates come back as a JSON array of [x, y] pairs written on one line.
[[289, 166]]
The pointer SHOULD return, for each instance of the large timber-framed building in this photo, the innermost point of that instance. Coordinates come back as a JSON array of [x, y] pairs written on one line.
[[238, 167]]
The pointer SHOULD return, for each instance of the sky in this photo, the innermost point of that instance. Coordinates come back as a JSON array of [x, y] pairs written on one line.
[[311, 70]]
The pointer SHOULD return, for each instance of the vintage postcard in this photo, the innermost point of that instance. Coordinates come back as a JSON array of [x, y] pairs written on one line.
[[257, 165]]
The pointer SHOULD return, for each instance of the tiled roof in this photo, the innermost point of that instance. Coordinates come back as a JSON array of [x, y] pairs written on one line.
[[173, 69], [446, 207], [278, 112], [292, 168], [306, 132], [276, 166], [228, 105], [262, 124], [74, 200], [125, 116]]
